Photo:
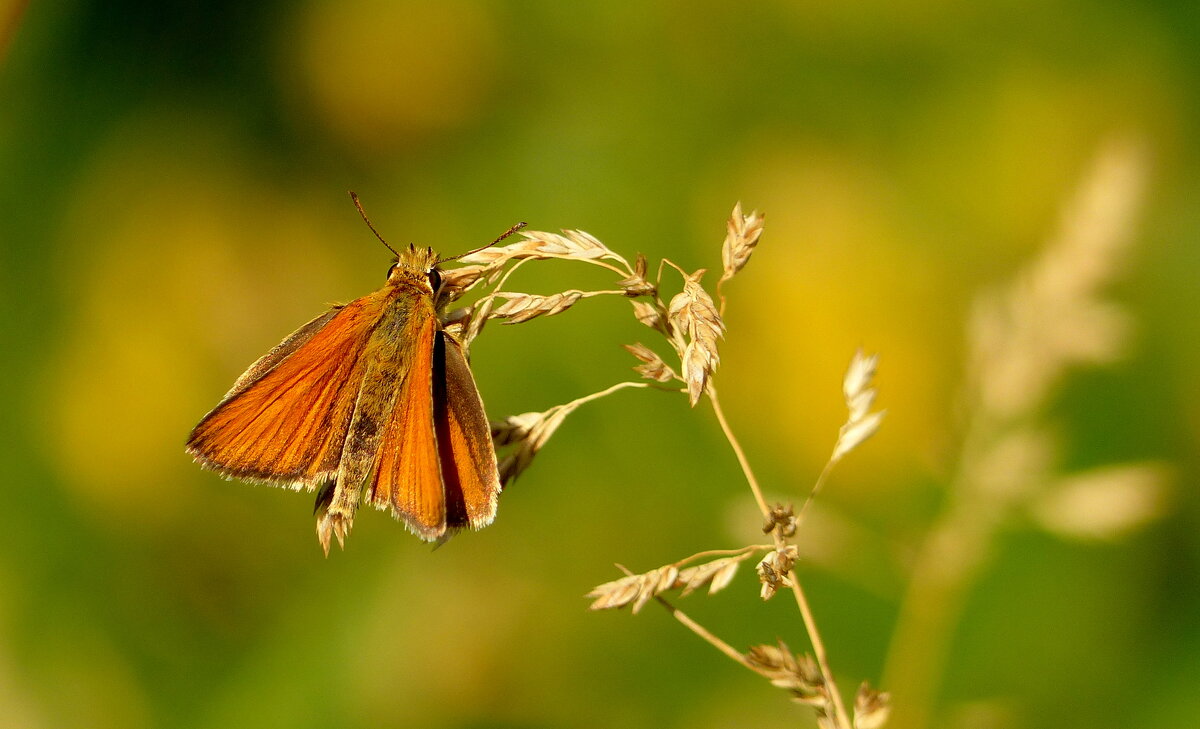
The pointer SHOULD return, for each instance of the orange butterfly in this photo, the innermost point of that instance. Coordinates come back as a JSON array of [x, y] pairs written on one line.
[[371, 395]]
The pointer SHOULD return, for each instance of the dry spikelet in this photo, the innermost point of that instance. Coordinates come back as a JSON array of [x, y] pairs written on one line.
[[458, 281], [529, 432], [717, 574], [633, 589], [860, 396], [522, 307], [741, 236], [553, 244], [796, 673], [639, 589], [698, 366], [783, 518], [637, 284], [871, 708], [489, 256], [536, 244], [497, 256], [692, 311], [571, 244], [584, 244], [653, 367], [514, 428], [649, 315], [773, 570]]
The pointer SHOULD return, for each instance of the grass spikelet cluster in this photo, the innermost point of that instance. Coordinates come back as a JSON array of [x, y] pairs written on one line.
[[689, 325], [1019, 351]]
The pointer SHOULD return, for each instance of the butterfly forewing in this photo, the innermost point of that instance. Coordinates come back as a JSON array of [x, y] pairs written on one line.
[[285, 420]]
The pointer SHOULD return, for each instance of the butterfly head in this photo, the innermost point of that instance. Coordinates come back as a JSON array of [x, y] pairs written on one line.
[[416, 267]]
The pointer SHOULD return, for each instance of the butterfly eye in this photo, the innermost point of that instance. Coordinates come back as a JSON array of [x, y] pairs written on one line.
[[390, 270], [435, 279]]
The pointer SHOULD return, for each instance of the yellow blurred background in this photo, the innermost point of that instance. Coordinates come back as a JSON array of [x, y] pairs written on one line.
[[173, 203]]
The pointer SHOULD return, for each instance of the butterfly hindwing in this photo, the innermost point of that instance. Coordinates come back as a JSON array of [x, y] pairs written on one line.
[[464, 439]]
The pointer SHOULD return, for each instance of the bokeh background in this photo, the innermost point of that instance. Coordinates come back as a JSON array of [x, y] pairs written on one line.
[[172, 202]]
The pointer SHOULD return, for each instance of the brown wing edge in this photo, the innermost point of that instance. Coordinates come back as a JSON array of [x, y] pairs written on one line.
[[464, 439]]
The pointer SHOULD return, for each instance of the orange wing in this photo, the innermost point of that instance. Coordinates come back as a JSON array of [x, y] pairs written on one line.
[[464, 438], [285, 420], [407, 474]]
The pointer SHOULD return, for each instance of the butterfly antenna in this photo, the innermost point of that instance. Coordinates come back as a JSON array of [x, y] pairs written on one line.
[[367, 220], [503, 235]]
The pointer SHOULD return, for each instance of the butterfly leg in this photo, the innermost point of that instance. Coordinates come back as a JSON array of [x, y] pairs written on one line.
[[336, 503], [329, 523]]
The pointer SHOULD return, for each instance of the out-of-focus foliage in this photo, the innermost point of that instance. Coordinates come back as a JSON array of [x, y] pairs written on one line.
[[172, 203]]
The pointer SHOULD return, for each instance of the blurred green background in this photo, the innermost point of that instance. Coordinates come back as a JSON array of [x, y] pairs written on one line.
[[172, 203]]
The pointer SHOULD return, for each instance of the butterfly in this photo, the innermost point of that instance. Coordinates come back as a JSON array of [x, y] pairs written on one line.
[[373, 399]]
